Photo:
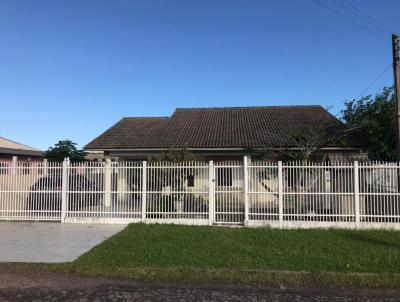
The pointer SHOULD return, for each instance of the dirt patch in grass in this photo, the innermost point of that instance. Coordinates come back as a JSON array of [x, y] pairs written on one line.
[[66, 276]]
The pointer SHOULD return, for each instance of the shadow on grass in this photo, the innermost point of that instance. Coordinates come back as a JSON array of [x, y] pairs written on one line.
[[370, 239]]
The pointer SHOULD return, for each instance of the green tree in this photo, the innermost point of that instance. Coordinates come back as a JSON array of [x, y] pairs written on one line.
[[174, 155], [374, 118], [63, 149]]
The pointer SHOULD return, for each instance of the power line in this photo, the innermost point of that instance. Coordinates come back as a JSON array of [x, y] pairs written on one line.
[[374, 81], [362, 16], [367, 18], [352, 21]]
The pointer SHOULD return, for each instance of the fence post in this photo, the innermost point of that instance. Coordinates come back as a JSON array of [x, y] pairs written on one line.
[[246, 189], [356, 194], [107, 183], [144, 189], [64, 186], [280, 193], [211, 192]]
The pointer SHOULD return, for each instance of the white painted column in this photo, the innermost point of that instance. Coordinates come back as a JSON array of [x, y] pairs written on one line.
[[356, 194], [122, 184], [107, 183], [46, 167], [14, 165], [280, 193]]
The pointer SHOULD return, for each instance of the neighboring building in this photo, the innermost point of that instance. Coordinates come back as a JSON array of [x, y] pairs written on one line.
[[10, 149], [230, 133]]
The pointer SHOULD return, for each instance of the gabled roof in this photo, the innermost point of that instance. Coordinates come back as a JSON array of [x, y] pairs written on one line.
[[231, 127], [10, 147]]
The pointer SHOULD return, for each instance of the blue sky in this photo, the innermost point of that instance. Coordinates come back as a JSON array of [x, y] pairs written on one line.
[[70, 69]]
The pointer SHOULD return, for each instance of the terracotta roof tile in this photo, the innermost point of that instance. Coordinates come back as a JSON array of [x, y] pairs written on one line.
[[231, 127]]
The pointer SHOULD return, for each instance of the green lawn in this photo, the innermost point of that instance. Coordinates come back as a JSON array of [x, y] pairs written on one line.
[[163, 252]]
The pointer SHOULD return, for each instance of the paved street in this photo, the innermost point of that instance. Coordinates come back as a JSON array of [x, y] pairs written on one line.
[[22, 285], [181, 293]]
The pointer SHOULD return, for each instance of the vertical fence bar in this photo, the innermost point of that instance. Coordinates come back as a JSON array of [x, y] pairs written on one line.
[[280, 193], [64, 185], [211, 192], [356, 194], [246, 189], [144, 188]]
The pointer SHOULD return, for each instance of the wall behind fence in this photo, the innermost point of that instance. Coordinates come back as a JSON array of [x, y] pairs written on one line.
[[252, 193]]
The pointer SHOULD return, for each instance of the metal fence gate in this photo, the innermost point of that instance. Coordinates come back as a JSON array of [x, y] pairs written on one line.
[[229, 193]]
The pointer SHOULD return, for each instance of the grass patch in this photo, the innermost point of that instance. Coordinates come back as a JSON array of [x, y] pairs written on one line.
[[171, 246], [246, 256]]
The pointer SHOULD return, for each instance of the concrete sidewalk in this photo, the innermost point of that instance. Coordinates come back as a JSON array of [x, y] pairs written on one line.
[[50, 242]]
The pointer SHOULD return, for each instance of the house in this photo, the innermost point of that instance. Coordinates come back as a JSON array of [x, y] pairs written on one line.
[[10, 150], [231, 132]]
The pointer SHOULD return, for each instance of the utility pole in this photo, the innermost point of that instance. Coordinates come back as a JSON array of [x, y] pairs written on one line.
[[396, 73]]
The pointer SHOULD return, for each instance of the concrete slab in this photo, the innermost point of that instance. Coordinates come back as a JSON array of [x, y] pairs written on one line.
[[50, 242]]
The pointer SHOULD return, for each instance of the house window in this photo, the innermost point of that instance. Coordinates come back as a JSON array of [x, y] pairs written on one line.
[[224, 177], [190, 181]]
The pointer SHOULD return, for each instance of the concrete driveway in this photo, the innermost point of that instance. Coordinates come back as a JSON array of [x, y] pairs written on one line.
[[50, 242]]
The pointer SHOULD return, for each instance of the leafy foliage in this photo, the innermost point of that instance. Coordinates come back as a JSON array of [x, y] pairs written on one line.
[[374, 117], [175, 178], [174, 155], [164, 203], [63, 149]]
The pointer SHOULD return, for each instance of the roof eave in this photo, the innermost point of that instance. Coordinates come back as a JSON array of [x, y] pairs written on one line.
[[215, 149], [21, 152]]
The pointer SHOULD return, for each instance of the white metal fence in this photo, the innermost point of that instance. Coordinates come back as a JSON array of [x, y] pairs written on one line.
[[258, 193], [30, 192]]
